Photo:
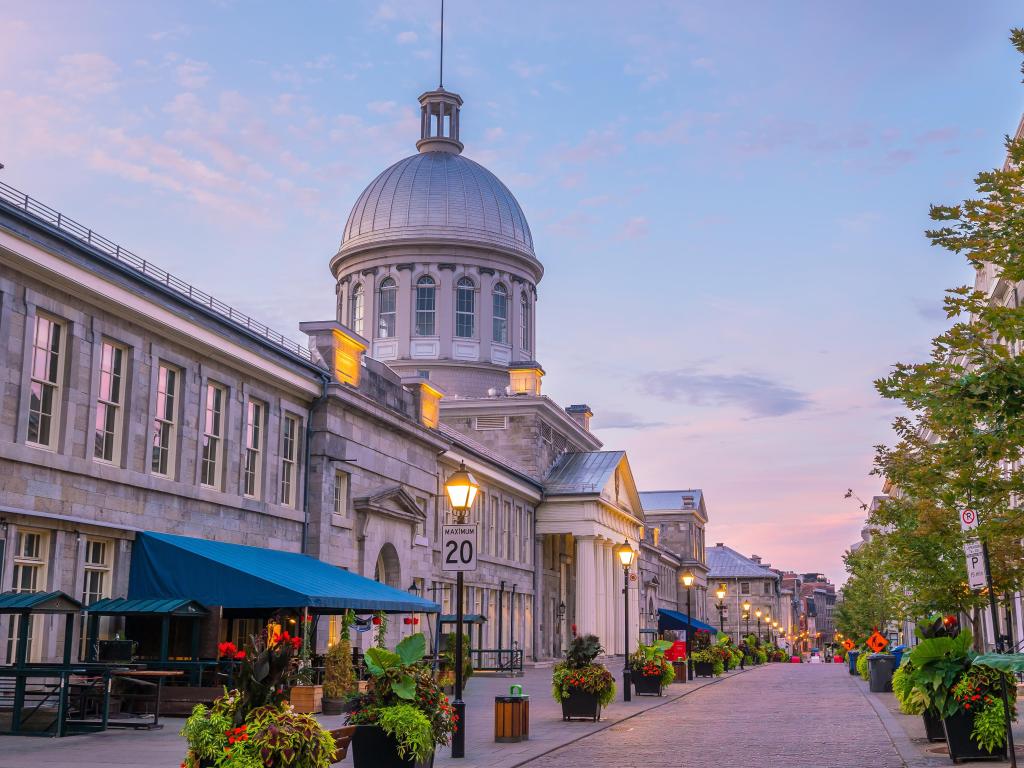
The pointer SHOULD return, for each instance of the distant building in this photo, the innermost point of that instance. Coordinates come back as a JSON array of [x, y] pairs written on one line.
[[747, 579], [676, 521]]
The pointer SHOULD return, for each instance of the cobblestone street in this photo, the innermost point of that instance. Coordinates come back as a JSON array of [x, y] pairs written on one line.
[[779, 716]]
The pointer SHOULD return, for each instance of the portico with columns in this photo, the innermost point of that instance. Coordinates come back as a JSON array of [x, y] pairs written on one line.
[[591, 497]]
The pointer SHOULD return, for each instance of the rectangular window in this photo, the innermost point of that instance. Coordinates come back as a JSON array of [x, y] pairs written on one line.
[[107, 436], [97, 571], [492, 532], [518, 551], [744, 587], [45, 382], [213, 436], [507, 531], [252, 469], [767, 587], [28, 575], [289, 448], [341, 494], [421, 525], [165, 422]]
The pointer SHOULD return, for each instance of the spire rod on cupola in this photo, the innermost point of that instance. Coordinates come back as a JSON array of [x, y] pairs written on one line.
[[439, 114]]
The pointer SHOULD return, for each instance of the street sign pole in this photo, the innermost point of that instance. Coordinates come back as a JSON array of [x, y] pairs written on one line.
[[458, 553]]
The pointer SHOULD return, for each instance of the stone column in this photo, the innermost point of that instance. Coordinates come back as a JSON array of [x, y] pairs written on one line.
[[601, 596], [613, 581], [618, 611], [586, 611]]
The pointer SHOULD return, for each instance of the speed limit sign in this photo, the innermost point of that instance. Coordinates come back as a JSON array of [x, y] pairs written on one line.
[[458, 547]]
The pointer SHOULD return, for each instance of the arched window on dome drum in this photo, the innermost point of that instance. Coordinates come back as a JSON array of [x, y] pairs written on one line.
[[499, 313], [465, 308], [355, 310], [386, 304], [524, 305], [426, 306]]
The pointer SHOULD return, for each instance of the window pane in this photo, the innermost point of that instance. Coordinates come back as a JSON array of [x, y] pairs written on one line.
[[500, 314], [465, 308], [425, 305], [386, 309]]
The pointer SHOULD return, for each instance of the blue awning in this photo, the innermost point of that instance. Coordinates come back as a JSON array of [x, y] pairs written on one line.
[[235, 576], [668, 619]]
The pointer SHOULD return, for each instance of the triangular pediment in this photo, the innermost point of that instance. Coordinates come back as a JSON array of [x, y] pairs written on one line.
[[620, 488], [391, 501]]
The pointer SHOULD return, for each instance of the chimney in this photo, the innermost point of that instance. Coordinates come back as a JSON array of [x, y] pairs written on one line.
[[581, 414], [719, 544], [756, 559], [341, 348], [525, 378], [428, 399]]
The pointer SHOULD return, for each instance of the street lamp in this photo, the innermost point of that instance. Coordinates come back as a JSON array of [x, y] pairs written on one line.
[[758, 614], [746, 614], [461, 488], [688, 579], [720, 594], [626, 555]]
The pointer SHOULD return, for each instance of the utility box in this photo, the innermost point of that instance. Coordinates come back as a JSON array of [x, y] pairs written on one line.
[[512, 716]]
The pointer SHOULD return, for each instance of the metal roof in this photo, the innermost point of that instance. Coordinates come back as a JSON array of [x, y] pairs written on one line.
[[38, 602], [584, 472], [120, 606], [653, 500], [726, 563], [438, 196]]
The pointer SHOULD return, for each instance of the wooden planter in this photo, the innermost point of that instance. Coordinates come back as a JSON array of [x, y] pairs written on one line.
[[332, 706], [342, 738], [372, 748], [581, 705], [646, 685], [307, 698], [958, 738], [703, 669], [680, 669]]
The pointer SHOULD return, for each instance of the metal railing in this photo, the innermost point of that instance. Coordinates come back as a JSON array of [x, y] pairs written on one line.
[[21, 201], [497, 660]]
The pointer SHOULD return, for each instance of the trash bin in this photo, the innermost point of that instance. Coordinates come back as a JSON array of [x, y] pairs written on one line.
[[880, 669], [851, 656], [898, 652], [512, 716]]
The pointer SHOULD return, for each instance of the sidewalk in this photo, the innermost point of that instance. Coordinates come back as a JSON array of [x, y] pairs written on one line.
[[153, 749]]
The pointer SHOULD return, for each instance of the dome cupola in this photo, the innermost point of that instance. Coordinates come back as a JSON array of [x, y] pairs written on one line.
[[439, 122]]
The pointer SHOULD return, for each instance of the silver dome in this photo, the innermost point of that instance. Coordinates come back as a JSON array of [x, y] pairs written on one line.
[[437, 196]]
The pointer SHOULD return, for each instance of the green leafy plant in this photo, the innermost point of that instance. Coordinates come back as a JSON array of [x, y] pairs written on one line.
[[989, 731], [280, 736], [305, 674], [448, 657], [380, 621], [912, 699], [410, 728], [578, 672], [709, 656], [937, 663], [339, 675], [204, 731], [862, 665], [650, 661], [392, 669]]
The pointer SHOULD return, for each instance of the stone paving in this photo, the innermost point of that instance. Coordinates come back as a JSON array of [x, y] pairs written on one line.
[[165, 749], [778, 716]]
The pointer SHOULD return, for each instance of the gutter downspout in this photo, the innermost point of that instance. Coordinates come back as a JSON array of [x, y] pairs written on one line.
[[512, 624], [325, 380]]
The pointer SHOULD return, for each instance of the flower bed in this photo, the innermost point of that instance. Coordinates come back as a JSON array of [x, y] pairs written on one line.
[[580, 685]]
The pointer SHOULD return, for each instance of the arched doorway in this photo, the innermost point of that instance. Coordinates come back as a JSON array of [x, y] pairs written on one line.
[[388, 569]]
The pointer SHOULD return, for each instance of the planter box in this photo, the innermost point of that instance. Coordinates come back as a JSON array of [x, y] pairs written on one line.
[[342, 738], [933, 727], [958, 738], [581, 705], [332, 706], [307, 698], [372, 748], [680, 669], [703, 669], [646, 685]]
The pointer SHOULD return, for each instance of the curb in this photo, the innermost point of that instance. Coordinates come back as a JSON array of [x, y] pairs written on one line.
[[610, 724], [909, 752]]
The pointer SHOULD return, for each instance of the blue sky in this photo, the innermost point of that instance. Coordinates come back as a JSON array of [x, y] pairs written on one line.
[[729, 199]]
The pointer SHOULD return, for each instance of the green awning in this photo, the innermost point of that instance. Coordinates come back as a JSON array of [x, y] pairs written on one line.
[[467, 618], [38, 602], [120, 606]]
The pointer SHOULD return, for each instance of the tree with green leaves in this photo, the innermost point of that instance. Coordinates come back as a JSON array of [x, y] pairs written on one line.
[[960, 442], [869, 599]]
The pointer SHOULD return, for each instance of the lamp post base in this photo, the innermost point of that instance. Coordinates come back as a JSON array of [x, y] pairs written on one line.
[[459, 737], [627, 687]]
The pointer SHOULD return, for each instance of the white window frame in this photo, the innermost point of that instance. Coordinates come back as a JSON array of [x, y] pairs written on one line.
[[465, 318], [165, 421], [524, 307], [341, 494], [92, 567], [289, 451], [387, 308], [252, 456], [356, 307], [425, 306], [499, 323], [49, 380], [108, 430], [38, 561], [211, 462]]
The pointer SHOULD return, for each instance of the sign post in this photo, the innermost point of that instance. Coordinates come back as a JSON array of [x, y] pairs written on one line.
[[458, 553], [979, 576]]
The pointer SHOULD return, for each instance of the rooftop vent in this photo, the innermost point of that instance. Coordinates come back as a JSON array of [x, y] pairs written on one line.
[[483, 423]]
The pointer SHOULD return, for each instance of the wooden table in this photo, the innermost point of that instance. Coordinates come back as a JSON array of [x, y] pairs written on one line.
[[145, 677]]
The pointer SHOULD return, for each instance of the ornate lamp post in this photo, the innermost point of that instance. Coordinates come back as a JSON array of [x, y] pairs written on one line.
[[688, 578], [758, 614], [768, 626], [626, 555], [461, 488], [746, 614], [720, 605]]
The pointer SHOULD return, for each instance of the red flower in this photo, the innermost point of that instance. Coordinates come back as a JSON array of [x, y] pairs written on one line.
[[376, 621], [227, 649], [309, 618], [240, 656]]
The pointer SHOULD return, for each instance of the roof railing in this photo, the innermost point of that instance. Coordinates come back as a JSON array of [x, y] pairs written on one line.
[[16, 199]]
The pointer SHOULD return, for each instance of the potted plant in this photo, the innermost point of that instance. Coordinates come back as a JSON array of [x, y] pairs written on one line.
[[305, 695], [253, 726], [404, 715], [339, 676], [649, 670], [580, 685], [707, 663]]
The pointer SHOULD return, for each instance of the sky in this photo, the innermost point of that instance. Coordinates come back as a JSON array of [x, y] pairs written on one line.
[[729, 198]]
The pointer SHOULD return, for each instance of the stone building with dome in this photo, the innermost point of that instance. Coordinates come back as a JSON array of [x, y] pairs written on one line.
[[135, 402]]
